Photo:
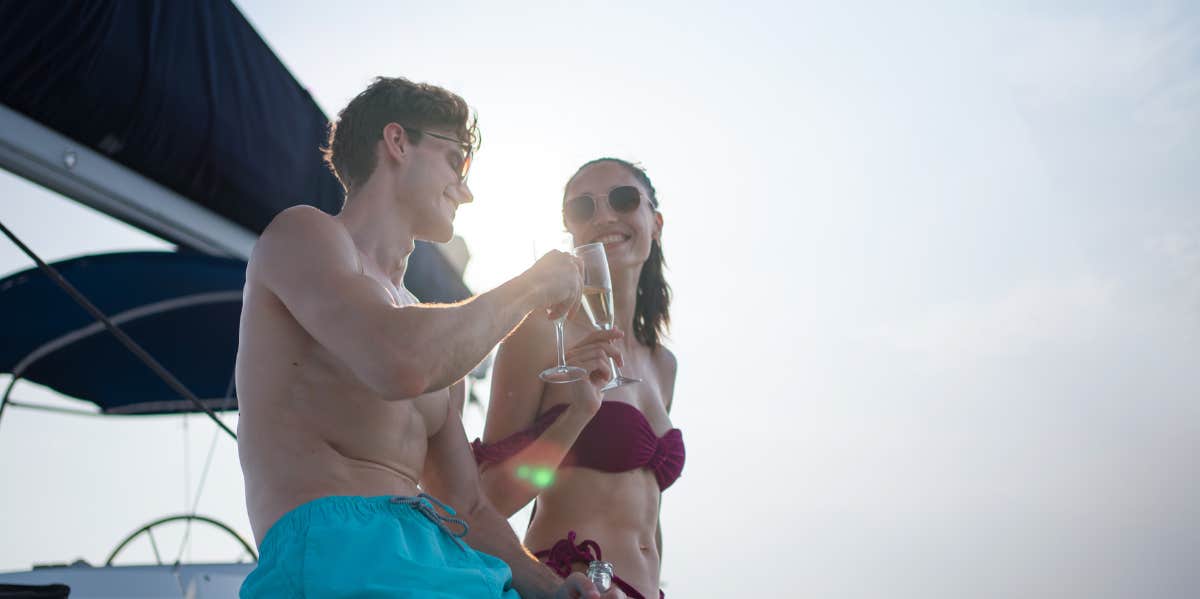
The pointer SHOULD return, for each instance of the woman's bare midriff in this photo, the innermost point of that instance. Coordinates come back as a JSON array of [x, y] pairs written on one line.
[[619, 511]]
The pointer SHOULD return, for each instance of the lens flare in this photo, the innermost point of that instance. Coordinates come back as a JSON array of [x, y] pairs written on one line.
[[538, 476], [542, 477]]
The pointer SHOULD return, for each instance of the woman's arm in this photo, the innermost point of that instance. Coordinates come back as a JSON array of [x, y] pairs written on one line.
[[517, 398], [447, 474], [669, 367], [658, 539]]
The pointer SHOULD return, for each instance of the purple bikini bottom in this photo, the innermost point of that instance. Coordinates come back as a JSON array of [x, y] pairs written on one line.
[[565, 552]]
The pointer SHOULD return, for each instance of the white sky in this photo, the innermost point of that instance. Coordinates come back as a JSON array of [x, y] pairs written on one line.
[[937, 278]]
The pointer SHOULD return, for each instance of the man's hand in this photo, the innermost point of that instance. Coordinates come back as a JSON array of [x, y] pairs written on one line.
[[577, 586], [557, 281]]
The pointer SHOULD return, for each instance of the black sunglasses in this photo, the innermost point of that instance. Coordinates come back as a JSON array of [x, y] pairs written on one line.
[[581, 209]]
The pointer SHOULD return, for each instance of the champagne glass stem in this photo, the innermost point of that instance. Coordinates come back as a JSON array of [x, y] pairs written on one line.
[[560, 336], [560, 373]]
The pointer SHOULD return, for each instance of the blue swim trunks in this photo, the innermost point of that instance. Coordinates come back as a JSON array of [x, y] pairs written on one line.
[[373, 547]]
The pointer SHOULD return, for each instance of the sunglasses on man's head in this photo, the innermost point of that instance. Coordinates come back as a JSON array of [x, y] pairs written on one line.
[[581, 209]]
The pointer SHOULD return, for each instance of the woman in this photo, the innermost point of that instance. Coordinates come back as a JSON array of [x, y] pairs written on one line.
[[596, 462]]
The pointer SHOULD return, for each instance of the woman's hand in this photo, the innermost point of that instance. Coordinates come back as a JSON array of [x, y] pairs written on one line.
[[592, 354]]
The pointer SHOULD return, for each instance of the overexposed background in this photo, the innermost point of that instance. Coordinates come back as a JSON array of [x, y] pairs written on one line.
[[937, 276]]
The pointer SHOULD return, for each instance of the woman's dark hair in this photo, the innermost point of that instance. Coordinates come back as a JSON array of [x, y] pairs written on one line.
[[651, 313]]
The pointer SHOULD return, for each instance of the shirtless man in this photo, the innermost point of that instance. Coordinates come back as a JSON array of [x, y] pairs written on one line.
[[348, 428]]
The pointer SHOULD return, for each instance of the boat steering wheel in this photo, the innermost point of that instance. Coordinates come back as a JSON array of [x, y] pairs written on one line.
[[148, 531]]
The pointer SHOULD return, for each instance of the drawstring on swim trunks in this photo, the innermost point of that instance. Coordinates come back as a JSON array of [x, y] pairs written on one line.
[[424, 503]]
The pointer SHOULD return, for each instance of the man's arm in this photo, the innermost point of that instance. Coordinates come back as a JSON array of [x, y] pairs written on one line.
[[449, 475], [307, 259]]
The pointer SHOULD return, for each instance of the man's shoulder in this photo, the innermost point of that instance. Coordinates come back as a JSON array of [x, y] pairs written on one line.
[[304, 222], [298, 233]]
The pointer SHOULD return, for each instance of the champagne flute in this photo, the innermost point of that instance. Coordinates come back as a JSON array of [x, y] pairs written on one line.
[[598, 301], [561, 372]]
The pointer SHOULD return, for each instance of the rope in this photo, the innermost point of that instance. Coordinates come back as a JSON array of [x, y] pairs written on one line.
[[212, 446], [422, 503]]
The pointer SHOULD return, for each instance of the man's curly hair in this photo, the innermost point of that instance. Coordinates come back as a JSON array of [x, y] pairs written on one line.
[[350, 150]]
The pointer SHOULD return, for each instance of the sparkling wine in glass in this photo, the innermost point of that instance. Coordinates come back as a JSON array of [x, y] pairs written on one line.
[[598, 300]]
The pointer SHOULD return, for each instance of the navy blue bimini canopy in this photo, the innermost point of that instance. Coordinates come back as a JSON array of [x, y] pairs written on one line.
[[186, 94], [182, 308]]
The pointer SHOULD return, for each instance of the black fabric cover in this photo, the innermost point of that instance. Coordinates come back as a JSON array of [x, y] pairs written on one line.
[[25, 591], [187, 94], [431, 278]]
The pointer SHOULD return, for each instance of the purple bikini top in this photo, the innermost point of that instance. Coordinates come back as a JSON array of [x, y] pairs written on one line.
[[617, 439]]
